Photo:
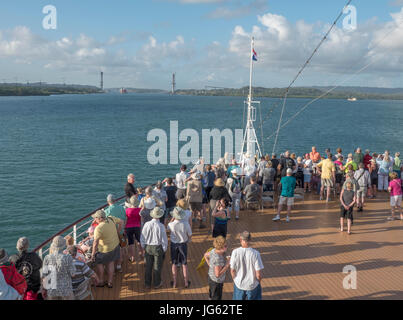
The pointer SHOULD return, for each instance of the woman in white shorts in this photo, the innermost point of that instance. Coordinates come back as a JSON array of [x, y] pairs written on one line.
[[395, 189]]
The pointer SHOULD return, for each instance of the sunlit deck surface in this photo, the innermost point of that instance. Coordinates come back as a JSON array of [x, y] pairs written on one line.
[[303, 259]]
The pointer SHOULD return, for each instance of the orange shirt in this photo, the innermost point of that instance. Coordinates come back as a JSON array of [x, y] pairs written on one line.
[[315, 156]]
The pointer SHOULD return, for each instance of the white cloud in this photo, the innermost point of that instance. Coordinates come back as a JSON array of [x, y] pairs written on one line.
[[237, 9]]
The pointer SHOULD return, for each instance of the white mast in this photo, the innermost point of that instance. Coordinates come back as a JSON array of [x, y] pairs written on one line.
[[250, 139]]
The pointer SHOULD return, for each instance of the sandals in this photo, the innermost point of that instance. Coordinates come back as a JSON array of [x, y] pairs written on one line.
[[172, 284], [101, 285], [188, 285]]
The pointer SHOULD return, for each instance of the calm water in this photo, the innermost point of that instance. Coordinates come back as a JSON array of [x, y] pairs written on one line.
[[62, 155]]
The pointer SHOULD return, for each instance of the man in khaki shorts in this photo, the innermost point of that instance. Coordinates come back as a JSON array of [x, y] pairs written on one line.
[[287, 194], [328, 175]]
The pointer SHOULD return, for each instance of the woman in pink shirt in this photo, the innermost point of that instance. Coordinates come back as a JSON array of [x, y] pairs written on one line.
[[395, 189], [133, 227]]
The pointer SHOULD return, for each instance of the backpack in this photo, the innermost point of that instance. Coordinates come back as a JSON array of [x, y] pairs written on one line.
[[289, 163], [13, 278]]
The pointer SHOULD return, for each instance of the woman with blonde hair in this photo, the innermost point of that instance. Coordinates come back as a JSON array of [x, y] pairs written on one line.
[[218, 266], [147, 204], [182, 204], [385, 163], [133, 228]]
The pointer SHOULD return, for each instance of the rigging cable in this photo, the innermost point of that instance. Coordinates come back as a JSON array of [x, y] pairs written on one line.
[[342, 82], [303, 68]]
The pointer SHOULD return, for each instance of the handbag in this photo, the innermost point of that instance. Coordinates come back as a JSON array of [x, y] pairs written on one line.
[[122, 240]]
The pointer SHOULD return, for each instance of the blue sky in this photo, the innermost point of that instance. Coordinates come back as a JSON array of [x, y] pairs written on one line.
[[139, 43]]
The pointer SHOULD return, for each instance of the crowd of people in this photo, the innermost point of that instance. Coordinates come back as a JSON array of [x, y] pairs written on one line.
[[206, 196]]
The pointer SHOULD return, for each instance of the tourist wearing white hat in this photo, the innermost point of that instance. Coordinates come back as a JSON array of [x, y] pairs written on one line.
[[235, 191], [147, 204], [133, 228], [154, 241], [181, 234], [194, 196], [58, 268], [287, 194]]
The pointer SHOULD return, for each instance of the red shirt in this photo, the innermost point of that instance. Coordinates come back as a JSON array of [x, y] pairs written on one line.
[[367, 159], [133, 217]]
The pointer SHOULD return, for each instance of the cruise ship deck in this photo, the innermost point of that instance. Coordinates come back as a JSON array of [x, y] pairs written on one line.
[[303, 259]]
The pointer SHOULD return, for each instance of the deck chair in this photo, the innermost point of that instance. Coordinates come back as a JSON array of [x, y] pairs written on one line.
[[84, 290]]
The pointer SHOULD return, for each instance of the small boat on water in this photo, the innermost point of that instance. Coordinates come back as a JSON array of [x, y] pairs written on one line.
[[352, 99], [122, 91]]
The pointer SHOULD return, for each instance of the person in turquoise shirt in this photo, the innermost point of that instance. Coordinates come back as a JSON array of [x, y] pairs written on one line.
[[115, 210], [287, 194], [232, 167]]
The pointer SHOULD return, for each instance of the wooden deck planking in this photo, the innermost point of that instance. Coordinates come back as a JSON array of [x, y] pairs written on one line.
[[303, 259]]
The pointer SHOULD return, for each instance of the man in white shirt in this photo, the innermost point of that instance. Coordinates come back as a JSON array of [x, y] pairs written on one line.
[[181, 234], [154, 241], [180, 181], [246, 270]]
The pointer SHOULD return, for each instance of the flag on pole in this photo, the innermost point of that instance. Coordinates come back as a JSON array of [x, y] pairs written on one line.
[[254, 56]]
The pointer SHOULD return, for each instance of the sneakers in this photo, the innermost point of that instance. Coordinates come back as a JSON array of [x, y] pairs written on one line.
[[158, 286], [287, 219], [276, 218]]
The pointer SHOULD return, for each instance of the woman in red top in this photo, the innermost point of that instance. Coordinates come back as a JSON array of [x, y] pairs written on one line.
[[133, 227], [367, 159], [395, 189]]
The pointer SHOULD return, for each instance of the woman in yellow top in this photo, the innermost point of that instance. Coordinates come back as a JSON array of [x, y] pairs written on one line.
[[106, 249]]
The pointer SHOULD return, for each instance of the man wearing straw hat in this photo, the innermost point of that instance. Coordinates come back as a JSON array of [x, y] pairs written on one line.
[[106, 248], [235, 191], [154, 241], [194, 196], [181, 234]]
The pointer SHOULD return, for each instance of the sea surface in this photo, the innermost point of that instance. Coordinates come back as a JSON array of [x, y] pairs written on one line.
[[62, 155]]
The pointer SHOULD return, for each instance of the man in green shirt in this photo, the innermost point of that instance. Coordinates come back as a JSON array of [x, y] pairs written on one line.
[[397, 164], [287, 194], [358, 157]]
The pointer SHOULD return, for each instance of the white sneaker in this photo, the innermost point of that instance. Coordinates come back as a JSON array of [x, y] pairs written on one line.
[[287, 219], [276, 218]]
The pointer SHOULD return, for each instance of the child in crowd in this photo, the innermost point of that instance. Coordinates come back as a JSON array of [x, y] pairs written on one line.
[[140, 193]]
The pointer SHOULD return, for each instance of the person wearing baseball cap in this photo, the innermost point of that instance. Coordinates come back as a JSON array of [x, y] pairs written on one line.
[[287, 194]]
